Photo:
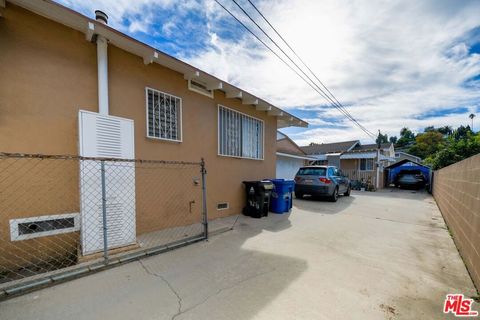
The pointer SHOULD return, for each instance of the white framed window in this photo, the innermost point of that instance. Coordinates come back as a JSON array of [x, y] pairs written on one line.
[[199, 87], [164, 115], [366, 164], [34, 227], [239, 135]]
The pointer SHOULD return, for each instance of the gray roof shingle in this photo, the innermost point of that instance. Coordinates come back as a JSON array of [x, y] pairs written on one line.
[[329, 147], [373, 146]]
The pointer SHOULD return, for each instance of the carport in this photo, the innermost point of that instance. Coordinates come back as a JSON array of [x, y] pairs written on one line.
[[393, 170]]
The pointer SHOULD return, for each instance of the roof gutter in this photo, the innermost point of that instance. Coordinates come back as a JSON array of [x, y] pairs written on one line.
[[288, 155]]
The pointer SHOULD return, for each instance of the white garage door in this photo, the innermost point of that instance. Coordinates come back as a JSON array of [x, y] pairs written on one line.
[[288, 167]]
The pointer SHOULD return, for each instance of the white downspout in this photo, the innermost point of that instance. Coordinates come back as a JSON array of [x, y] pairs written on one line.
[[102, 66]]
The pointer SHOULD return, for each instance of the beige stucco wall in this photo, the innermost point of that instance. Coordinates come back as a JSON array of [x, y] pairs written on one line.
[[456, 189], [48, 73]]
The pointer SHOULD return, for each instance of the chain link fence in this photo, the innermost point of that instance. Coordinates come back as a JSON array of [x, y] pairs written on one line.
[[61, 216]]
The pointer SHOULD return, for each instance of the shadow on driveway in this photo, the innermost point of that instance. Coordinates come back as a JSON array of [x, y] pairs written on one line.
[[224, 278], [314, 204]]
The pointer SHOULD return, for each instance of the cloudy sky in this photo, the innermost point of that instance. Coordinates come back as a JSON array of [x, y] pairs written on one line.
[[390, 63]]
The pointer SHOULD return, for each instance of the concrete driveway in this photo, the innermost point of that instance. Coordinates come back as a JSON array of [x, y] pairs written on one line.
[[383, 255]]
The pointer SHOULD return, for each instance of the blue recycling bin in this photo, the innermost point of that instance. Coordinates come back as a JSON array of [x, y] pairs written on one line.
[[282, 196]]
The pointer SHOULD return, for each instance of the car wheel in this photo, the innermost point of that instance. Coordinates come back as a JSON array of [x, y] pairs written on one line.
[[334, 196], [298, 195], [347, 193]]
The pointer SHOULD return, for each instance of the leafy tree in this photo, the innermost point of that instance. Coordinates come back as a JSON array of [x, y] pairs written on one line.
[[429, 128], [393, 139], [427, 144], [441, 146], [445, 130], [462, 132], [407, 137], [456, 149], [381, 138]]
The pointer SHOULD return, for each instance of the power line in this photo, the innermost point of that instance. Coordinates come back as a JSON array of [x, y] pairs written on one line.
[[266, 45], [329, 99], [310, 82], [302, 61]]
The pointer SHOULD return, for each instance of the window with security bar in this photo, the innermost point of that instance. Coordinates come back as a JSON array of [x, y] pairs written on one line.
[[239, 135], [164, 116]]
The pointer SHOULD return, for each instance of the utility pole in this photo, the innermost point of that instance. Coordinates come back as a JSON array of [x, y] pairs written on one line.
[[379, 144]]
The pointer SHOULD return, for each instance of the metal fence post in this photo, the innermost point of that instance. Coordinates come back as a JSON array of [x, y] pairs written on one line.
[[204, 198], [104, 212]]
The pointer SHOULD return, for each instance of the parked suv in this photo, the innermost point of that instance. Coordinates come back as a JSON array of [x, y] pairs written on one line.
[[413, 179], [321, 181]]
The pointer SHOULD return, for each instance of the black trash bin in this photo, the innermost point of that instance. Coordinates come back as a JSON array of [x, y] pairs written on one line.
[[258, 198]]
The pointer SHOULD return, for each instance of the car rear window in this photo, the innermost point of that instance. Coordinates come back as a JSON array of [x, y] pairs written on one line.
[[404, 172], [312, 172]]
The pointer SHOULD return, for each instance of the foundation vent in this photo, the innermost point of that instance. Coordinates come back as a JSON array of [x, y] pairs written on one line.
[[222, 206], [34, 227]]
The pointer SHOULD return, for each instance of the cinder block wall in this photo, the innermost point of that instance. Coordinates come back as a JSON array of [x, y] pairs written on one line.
[[456, 189]]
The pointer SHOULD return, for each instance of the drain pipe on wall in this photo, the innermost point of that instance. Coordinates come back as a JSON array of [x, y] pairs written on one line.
[[102, 66]]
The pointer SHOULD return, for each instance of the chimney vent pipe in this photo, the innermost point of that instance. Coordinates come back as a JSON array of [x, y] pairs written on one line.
[[101, 16]]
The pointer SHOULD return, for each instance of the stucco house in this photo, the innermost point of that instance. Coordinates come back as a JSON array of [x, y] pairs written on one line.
[[71, 85], [290, 157], [363, 162]]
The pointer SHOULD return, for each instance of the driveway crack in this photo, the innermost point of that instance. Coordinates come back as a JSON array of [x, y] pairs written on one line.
[[396, 221], [169, 285], [219, 291]]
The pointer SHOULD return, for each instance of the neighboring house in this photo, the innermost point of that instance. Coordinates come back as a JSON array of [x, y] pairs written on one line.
[[66, 80], [357, 161], [290, 157], [401, 155]]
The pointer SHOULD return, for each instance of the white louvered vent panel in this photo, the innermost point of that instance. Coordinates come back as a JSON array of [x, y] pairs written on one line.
[[110, 137]]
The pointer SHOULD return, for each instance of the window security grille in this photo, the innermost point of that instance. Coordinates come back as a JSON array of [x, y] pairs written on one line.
[[239, 135], [163, 116]]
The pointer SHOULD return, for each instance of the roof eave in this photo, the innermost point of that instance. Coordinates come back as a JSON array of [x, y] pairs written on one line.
[[70, 18], [295, 156]]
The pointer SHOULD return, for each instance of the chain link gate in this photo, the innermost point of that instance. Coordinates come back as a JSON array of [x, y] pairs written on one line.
[[63, 216]]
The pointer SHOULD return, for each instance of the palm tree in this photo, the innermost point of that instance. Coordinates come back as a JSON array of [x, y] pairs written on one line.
[[471, 116]]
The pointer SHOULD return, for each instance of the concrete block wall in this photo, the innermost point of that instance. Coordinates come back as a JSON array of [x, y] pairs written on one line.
[[456, 189]]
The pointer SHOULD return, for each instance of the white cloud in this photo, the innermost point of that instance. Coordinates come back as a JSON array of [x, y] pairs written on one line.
[[389, 61], [138, 11]]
